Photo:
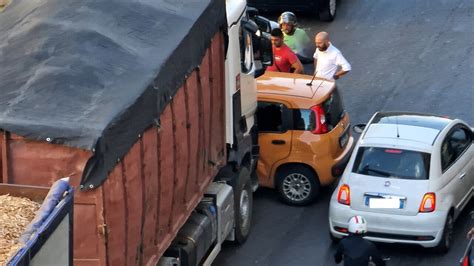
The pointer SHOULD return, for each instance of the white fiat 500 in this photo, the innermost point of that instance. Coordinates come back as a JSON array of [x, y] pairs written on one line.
[[410, 176]]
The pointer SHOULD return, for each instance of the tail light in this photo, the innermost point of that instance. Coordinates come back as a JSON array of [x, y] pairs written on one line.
[[341, 229], [428, 203], [344, 195], [321, 126]]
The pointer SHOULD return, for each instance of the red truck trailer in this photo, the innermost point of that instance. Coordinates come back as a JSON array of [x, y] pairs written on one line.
[[140, 104]]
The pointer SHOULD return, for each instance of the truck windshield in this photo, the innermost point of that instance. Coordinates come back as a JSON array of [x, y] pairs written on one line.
[[393, 163]]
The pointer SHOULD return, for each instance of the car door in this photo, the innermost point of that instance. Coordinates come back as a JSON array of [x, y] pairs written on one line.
[[274, 137], [457, 163]]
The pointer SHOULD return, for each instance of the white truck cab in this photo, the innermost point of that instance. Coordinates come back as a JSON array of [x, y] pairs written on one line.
[[241, 68]]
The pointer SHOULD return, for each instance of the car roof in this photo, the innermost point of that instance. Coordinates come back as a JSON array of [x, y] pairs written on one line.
[[411, 129], [293, 85], [412, 119]]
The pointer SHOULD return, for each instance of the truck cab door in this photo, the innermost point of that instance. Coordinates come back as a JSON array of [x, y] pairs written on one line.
[[274, 139]]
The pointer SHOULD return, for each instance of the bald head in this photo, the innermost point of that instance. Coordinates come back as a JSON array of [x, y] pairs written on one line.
[[322, 36], [322, 41]]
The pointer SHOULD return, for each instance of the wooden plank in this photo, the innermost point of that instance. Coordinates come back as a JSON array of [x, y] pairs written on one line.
[[166, 172], [86, 242], [115, 216], [220, 79], [133, 192], [5, 159], [41, 163], [159, 189], [181, 155], [150, 173], [100, 221], [192, 101], [216, 101], [205, 102], [33, 193]]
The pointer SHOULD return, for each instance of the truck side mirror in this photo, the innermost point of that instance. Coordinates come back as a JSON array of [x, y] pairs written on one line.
[[265, 52], [264, 24], [252, 12], [250, 26]]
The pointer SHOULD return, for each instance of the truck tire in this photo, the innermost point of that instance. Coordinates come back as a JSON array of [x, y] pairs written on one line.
[[297, 185], [327, 10], [243, 204]]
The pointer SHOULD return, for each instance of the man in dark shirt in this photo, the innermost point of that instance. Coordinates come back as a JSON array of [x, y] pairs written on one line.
[[354, 249]]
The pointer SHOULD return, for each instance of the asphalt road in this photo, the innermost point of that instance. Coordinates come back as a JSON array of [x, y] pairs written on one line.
[[407, 55]]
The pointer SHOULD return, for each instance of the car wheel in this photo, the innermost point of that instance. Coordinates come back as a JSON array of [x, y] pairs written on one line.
[[243, 204], [447, 239], [297, 185], [327, 10]]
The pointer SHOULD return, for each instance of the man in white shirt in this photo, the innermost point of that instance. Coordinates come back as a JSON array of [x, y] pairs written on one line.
[[328, 60]]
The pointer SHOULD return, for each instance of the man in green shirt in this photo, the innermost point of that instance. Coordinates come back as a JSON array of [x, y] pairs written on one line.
[[294, 37]]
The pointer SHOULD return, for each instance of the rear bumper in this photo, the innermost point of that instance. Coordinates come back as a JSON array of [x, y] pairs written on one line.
[[423, 229]]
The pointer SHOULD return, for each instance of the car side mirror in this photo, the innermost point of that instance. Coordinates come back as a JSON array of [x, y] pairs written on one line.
[[359, 128]]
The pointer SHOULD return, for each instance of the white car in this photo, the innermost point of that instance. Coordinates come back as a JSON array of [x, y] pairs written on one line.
[[410, 176]]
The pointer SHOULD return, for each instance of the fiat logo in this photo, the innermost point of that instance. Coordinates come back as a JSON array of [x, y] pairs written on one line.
[[387, 183]]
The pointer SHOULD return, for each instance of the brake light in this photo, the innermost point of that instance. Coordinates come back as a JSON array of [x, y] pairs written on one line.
[[321, 126], [428, 203], [344, 195], [393, 151]]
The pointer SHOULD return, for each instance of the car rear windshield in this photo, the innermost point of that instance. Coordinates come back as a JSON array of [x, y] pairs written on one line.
[[393, 163], [304, 119], [334, 109]]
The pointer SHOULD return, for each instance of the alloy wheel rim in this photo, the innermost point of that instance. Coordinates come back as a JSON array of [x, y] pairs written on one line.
[[244, 208], [296, 187]]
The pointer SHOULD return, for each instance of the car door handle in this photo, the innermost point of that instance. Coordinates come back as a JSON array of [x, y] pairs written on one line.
[[462, 175], [278, 142]]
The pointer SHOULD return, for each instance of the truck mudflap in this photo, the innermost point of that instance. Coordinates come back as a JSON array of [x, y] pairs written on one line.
[[47, 240]]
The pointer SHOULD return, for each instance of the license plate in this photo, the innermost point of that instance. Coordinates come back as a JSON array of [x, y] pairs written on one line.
[[384, 203], [343, 139]]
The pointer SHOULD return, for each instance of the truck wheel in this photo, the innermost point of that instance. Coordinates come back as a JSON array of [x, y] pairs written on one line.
[[297, 185], [327, 10], [243, 204], [447, 239]]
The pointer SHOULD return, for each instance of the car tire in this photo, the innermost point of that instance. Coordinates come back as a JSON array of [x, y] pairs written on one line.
[[243, 204], [447, 239], [297, 185], [327, 10]]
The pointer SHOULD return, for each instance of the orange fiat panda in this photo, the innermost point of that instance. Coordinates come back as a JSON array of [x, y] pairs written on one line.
[[304, 135]]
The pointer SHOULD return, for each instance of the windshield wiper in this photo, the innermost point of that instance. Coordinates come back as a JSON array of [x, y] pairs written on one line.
[[367, 169]]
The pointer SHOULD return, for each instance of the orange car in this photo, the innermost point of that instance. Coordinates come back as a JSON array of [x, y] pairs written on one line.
[[304, 135]]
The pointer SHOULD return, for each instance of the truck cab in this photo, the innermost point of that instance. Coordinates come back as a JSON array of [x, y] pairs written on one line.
[[247, 56]]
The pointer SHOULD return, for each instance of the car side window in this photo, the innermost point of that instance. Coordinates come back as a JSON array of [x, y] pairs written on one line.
[[456, 142], [270, 117], [303, 119]]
